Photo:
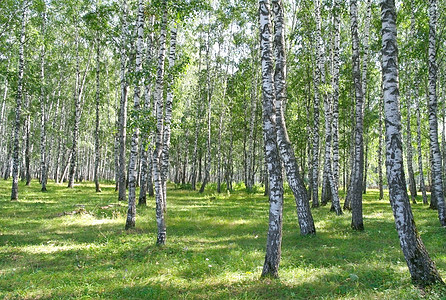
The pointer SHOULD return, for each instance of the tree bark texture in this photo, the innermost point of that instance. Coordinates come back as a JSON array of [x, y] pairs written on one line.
[[437, 180], [43, 151], [133, 176], [421, 267], [159, 86], [286, 150], [168, 109], [317, 95], [122, 118], [15, 155], [97, 146], [274, 237], [357, 171]]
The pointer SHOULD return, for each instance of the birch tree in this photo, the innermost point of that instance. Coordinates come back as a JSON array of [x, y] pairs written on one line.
[[19, 96], [317, 94], [131, 212], [168, 109], [437, 197], [421, 267], [43, 150], [122, 119], [358, 158], [274, 237], [157, 163], [286, 150], [335, 84]]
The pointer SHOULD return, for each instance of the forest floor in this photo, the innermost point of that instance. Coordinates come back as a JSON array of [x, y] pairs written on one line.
[[71, 243]]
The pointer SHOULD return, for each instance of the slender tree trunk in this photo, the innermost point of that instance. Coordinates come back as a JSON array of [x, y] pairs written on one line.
[[77, 98], [161, 224], [274, 238], [380, 144], [421, 267], [317, 94], [437, 180], [43, 152], [133, 176], [335, 85], [168, 115], [412, 184], [251, 142], [357, 171], [209, 96], [15, 166], [286, 150], [122, 183], [98, 103], [27, 141], [364, 87], [146, 138], [420, 155], [197, 129]]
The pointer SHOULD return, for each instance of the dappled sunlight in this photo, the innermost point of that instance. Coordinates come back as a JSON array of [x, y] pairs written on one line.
[[215, 249]]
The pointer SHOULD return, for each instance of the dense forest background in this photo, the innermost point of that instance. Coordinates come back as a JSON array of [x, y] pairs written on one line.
[[145, 93]]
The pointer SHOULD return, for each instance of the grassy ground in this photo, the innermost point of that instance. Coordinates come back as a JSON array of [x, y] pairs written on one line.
[[71, 243]]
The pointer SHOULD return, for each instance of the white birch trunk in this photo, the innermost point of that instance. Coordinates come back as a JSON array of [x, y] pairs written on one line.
[[122, 121], [420, 154], [131, 211], [168, 109], [357, 171], [317, 95], [146, 139], [421, 267], [287, 155], [76, 117], [159, 86], [437, 197], [43, 152], [335, 85], [98, 102], [15, 155], [274, 238]]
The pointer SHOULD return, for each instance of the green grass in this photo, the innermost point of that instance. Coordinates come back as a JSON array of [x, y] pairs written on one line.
[[215, 249]]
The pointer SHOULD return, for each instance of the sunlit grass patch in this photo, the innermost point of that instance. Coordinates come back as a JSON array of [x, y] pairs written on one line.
[[71, 243]]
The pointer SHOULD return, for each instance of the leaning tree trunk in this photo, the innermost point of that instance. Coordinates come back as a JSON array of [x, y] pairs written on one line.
[[98, 103], [437, 181], [159, 87], [122, 120], [131, 211], [357, 171], [43, 152], [274, 238], [295, 182], [421, 267], [15, 155]]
